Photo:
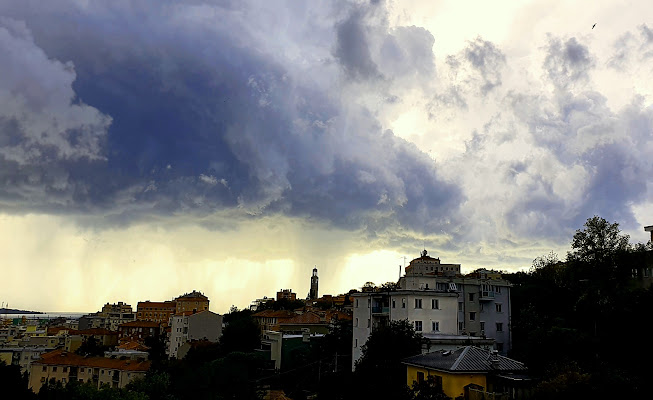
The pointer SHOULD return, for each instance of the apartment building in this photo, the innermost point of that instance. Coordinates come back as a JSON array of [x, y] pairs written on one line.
[[63, 366], [483, 301], [193, 301], [429, 311], [155, 311], [190, 326]]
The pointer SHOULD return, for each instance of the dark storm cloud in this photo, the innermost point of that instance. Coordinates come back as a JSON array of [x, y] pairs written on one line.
[[352, 47], [193, 118], [568, 62]]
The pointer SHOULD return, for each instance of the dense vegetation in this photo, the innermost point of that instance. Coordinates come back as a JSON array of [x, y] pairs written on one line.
[[576, 322]]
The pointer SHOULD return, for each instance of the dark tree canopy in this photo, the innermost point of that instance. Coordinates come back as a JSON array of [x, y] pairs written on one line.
[[598, 241]]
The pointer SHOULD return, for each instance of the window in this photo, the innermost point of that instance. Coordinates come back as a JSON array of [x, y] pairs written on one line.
[[499, 346], [420, 377], [54, 369], [460, 306], [418, 326], [471, 297], [472, 316], [461, 326], [42, 379], [65, 369], [403, 303], [356, 303], [355, 342], [63, 380], [435, 304], [81, 370], [499, 326], [394, 303], [482, 325], [498, 307], [356, 322], [435, 326], [497, 289], [418, 303], [44, 368]]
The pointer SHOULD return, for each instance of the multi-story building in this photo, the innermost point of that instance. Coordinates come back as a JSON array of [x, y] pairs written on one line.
[[138, 331], [156, 311], [109, 318], [23, 356], [193, 301], [64, 367], [190, 325], [429, 311], [483, 302], [286, 294], [269, 320]]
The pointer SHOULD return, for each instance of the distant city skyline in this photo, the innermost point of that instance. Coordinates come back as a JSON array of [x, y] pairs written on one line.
[[148, 149]]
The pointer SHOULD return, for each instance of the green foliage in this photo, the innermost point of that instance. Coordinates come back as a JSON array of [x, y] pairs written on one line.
[[381, 357], [427, 390], [598, 242], [241, 332], [92, 347], [13, 384], [74, 390], [565, 316]]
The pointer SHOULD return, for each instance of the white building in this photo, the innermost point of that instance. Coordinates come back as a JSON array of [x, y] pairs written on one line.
[[429, 311], [189, 326]]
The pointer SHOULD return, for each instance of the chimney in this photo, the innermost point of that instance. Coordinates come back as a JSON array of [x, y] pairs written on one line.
[[494, 359]]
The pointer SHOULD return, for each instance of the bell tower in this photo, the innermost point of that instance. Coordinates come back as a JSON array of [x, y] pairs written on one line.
[[312, 295]]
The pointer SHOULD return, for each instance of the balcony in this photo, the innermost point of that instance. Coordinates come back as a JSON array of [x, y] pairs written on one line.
[[486, 295], [380, 310]]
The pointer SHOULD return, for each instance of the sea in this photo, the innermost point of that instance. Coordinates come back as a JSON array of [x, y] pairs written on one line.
[[45, 315]]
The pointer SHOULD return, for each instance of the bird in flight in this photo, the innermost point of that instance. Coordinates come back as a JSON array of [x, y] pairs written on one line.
[[593, 25]]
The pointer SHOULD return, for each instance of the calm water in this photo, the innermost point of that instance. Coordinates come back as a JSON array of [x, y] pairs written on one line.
[[47, 315]]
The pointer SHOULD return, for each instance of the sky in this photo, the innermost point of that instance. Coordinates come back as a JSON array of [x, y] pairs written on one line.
[[152, 148]]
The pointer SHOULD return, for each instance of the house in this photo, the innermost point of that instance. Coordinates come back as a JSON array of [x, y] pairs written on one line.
[[64, 366], [190, 325], [470, 372], [288, 350], [269, 320]]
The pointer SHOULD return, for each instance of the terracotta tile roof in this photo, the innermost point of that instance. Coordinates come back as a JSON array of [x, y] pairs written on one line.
[[465, 359], [140, 324], [274, 314], [340, 315], [131, 345], [94, 331], [156, 304], [63, 357], [309, 318], [53, 330]]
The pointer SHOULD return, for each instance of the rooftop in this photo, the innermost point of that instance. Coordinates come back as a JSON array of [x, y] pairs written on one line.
[[465, 359], [63, 357]]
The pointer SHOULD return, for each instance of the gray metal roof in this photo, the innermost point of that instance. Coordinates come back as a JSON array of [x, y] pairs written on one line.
[[465, 359]]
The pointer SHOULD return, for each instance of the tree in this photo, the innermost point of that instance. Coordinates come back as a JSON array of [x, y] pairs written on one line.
[[598, 242], [380, 366], [241, 332], [12, 383]]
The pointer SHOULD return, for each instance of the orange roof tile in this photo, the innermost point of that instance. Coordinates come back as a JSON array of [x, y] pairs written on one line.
[[274, 314], [63, 357], [309, 318], [94, 331], [131, 345], [140, 324]]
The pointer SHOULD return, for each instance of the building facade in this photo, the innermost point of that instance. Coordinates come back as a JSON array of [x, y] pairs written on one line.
[[429, 311], [286, 294], [483, 297], [155, 311], [190, 326], [193, 301], [64, 367]]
